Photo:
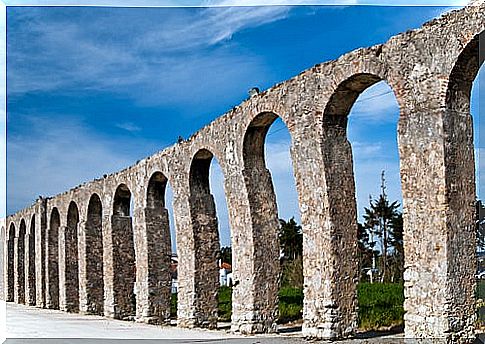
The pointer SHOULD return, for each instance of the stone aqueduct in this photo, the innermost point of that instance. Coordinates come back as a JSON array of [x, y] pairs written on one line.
[[82, 250]]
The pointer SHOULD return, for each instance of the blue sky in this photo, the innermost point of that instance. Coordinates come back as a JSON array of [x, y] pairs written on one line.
[[92, 90]]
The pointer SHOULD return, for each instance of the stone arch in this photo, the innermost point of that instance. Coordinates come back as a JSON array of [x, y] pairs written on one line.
[[52, 259], [20, 292], [334, 209], [459, 154], [71, 259], [264, 215], [463, 74], [160, 247], [344, 96], [121, 201], [206, 238], [31, 273], [92, 285], [123, 254], [10, 263]]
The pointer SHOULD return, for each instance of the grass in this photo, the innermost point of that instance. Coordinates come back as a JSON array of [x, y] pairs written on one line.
[[380, 305], [480, 296], [290, 304], [225, 304]]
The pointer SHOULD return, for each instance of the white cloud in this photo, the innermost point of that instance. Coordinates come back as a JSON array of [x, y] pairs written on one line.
[[204, 3], [128, 126], [65, 155], [167, 50], [377, 104]]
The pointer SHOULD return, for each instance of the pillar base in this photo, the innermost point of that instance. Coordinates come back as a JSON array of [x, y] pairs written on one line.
[[326, 331]]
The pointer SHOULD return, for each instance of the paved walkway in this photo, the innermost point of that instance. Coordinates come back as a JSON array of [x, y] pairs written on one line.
[[33, 325]]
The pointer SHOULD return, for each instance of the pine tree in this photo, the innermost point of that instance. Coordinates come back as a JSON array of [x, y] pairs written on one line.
[[379, 218], [480, 224]]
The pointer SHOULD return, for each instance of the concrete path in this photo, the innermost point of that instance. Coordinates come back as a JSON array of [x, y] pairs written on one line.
[[28, 325]]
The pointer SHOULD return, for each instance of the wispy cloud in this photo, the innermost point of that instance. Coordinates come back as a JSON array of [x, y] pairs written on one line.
[[204, 3], [128, 126], [65, 155], [377, 104], [147, 60]]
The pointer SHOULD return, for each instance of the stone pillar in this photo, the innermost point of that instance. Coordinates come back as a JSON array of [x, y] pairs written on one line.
[[68, 270], [206, 235], [153, 275], [325, 184], [52, 272], [255, 246], [63, 303], [119, 264], [19, 271], [197, 245], [30, 295], [10, 278], [84, 307], [91, 279], [186, 296], [40, 249], [438, 184], [198, 274]]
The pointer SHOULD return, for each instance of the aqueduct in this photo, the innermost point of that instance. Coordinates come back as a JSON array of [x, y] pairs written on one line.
[[84, 250]]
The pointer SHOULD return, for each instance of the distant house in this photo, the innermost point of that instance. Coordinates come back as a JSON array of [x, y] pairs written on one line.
[[225, 274], [173, 270]]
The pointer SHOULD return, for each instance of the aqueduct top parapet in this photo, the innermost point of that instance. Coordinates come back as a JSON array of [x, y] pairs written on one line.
[[425, 68]]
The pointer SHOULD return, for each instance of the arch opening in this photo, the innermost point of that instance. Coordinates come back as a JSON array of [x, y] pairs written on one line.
[[360, 146], [466, 120], [160, 250], [10, 263], [205, 225], [71, 259], [124, 267], [463, 75], [53, 258], [21, 262], [93, 258], [31, 259], [122, 201], [275, 216]]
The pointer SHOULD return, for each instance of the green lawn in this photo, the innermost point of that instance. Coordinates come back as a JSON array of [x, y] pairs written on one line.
[[380, 305], [481, 303]]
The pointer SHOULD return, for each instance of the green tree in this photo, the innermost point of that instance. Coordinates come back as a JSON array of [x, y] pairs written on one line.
[[480, 224], [379, 217], [291, 239], [397, 256], [226, 254], [364, 249]]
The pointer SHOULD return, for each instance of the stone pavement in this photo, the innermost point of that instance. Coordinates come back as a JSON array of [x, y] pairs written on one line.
[[33, 325], [29, 324]]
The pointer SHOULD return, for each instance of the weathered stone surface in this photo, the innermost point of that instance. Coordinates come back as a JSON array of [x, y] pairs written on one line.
[[122, 231]]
